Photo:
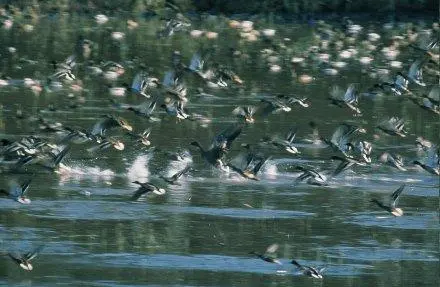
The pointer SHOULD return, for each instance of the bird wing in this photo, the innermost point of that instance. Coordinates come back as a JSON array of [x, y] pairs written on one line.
[[31, 255], [291, 135], [227, 136], [169, 79], [196, 63], [259, 165], [272, 248], [138, 82], [239, 111], [395, 196], [336, 93], [434, 94], [345, 164], [138, 193], [17, 259], [350, 95], [182, 172], [25, 186]]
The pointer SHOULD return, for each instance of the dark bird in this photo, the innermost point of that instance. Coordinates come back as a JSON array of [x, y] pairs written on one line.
[[174, 86], [220, 146], [48, 126], [313, 176], [284, 143], [398, 87], [393, 160], [143, 137], [63, 71], [432, 161], [245, 113], [348, 99], [173, 25], [77, 136], [176, 109], [143, 84], [209, 75], [108, 122], [144, 188], [24, 261], [362, 152], [341, 138], [415, 73], [426, 42], [175, 177], [393, 126], [249, 166], [391, 208], [106, 143], [276, 105], [426, 103], [302, 102], [145, 110], [309, 271], [345, 163], [269, 254]]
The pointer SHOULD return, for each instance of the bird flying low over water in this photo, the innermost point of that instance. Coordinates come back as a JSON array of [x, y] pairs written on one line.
[[248, 166], [398, 87], [143, 138], [63, 71], [273, 105], [24, 261], [146, 187], [284, 143], [269, 255], [341, 138], [391, 207], [176, 109], [345, 163], [245, 113], [105, 143], [393, 126], [313, 176], [431, 163], [415, 73], [220, 146], [393, 160], [144, 110], [348, 99], [143, 84], [175, 177], [309, 270], [18, 193], [108, 122]]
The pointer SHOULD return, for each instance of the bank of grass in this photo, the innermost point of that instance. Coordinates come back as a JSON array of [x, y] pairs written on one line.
[[229, 6]]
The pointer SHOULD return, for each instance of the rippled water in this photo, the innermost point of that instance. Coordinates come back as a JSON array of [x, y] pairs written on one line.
[[201, 231]]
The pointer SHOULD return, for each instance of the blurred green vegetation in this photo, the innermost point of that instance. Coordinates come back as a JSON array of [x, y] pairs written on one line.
[[230, 6]]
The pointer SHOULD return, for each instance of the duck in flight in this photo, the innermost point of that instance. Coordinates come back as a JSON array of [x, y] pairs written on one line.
[[144, 188], [174, 178], [391, 208], [24, 261], [309, 270], [269, 254], [18, 193]]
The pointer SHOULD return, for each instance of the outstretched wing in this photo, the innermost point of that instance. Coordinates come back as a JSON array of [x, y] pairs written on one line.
[[31, 255], [395, 196]]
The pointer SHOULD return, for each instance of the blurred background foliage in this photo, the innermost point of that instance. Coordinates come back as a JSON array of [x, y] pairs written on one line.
[[230, 6]]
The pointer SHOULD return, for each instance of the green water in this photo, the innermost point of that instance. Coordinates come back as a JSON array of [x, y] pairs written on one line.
[[200, 232]]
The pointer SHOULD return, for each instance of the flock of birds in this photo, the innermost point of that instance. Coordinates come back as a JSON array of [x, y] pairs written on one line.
[[349, 142]]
